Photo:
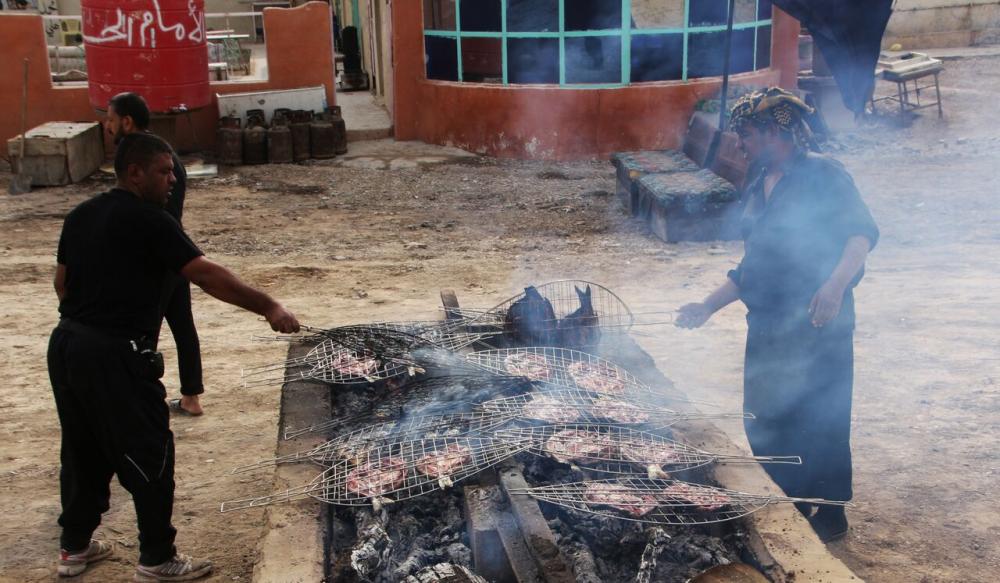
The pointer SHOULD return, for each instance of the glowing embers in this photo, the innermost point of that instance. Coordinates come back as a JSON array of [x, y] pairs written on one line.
[[609, 448], [393, 471], [658, 501]]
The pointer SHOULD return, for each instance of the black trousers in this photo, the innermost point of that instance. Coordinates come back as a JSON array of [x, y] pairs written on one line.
[[114, 422], [177, 312], [798, 382]]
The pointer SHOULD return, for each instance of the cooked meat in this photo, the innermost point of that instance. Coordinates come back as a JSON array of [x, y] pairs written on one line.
[[444, 463], [620, 497], [572, 445], [618, 411], [702, 497], [580, 327], [531, 366], [531, 321], [550, 409], [377, 477], [649, 453], [599, 378], [349, 363]]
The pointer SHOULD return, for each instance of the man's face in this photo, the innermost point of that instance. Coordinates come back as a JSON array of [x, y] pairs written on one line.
[[753, 142], [118, 127], [154, 182]]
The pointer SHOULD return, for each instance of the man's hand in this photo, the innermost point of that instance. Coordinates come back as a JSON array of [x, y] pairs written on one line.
[[825, 305], [692, 315], [281, 320]]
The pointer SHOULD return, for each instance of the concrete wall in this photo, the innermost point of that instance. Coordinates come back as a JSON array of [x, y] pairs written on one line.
[[291, 33], [917, 24], [549, 122]]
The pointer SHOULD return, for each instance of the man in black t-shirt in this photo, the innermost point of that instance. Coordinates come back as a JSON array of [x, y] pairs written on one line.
[[115, 252], [127, 114]]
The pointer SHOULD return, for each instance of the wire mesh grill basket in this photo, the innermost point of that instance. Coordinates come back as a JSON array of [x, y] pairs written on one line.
[[383, 473], [657, 501], [575, 406], [614, 449], [329, 452]]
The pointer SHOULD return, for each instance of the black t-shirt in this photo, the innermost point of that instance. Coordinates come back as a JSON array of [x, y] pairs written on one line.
[[795, 239], [118, 251], [175, 202]]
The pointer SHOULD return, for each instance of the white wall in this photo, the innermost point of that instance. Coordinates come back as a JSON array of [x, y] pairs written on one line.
[[919, 24]]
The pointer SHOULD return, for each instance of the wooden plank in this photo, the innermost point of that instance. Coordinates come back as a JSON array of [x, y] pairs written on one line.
[[488, 552], [536, 531]]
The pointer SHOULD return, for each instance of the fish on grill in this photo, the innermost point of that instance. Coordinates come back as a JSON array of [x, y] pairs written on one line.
[[701, 497], [599, 378], [649, 453], [545, 408], [621, 498], [377, 477], [443, 463], [531, 321], [618, 411], [531, 366], [580, 327], [572, 445]]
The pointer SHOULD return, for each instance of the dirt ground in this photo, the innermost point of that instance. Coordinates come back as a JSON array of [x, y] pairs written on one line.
[[341, 243]]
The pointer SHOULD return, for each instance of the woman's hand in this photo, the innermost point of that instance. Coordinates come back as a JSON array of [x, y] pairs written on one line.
[[825, 305], [693, 315]]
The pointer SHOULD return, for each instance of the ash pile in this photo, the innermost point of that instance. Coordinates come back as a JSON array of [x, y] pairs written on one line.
[[501, 445]]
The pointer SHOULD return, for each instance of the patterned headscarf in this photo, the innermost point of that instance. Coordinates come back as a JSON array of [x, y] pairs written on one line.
[[773, 106]]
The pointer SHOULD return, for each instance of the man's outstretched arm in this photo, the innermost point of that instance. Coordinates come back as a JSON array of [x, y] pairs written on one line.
[[222, 284]]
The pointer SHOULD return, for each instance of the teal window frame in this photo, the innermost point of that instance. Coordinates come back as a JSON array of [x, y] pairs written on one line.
[[625, 33]]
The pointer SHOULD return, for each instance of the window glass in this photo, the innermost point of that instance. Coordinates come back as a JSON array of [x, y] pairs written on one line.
[[706, 49], [480, 15], [533, 15], [764, 47], [441, 56], [657, 57], [764, 10], [707, 12], [592, 14], [594, 59], [657, 14], [439, 14], [482, 61], [533, 60]]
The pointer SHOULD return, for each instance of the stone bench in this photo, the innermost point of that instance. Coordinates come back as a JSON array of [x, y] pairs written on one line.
[[689, 206]]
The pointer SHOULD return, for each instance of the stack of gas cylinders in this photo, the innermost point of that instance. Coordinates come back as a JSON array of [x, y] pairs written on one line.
[[292, 136]]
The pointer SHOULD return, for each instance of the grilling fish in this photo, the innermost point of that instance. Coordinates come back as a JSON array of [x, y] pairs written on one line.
[[531, 321], [580, 328]]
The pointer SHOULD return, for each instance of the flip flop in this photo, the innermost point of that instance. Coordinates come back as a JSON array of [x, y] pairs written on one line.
[[175, 407]]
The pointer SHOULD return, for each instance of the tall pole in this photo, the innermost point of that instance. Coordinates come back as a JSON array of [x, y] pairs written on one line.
[[723, 118]]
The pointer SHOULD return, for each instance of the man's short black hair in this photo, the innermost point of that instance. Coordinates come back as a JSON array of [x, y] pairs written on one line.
[[138, 148], [134, 106]]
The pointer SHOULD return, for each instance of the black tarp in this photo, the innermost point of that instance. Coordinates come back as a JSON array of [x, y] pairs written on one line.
[[849, 35]]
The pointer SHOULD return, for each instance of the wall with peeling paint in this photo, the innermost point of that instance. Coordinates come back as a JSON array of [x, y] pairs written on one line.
[[554, 123]]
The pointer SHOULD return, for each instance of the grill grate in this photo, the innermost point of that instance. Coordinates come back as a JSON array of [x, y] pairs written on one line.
[[561, 405], [657, 501], [572, 369], [329, 452], [622, 450], [395, 471]]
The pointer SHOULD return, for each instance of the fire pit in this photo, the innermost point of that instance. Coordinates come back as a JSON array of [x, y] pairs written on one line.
[[446, 478]]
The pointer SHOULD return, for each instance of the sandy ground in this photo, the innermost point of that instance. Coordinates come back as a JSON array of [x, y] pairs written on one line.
[[377, 238]]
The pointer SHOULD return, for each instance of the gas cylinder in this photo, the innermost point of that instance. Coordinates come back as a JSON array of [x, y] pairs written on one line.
[[339, 130], [300, 134], [255, 140], [321, 137], [229, 141], [279, 141], [155, 48]]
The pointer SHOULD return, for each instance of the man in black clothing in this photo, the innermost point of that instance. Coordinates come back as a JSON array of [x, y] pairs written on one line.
[[128, 113], [807, 235], [115, 252]]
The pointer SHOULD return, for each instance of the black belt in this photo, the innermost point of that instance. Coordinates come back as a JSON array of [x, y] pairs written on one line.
[[108, 334]]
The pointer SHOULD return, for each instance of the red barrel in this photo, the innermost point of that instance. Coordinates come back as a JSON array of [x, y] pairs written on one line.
[[155, 48]]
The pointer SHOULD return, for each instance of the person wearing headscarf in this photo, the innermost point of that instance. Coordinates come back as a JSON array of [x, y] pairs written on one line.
[[807, 235]]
